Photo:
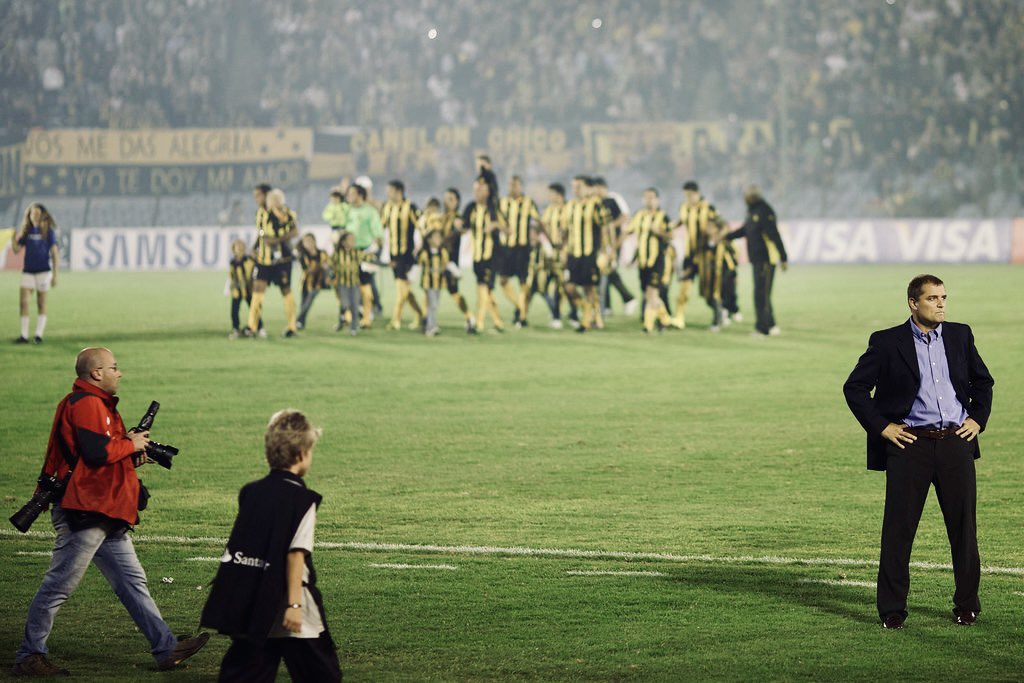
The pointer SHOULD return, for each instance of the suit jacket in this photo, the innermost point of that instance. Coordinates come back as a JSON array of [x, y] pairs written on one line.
[[889, 366]]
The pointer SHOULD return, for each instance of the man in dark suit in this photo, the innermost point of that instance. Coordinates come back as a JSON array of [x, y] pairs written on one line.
[[932, 397]]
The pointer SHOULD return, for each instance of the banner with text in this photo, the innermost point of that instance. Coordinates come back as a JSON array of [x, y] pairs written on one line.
[[899, 241], [157, 162]]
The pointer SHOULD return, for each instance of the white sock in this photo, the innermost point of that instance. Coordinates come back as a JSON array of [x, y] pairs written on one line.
[[40, 325], [24, 327]]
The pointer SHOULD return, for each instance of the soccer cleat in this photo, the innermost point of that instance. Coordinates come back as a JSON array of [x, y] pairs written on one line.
[[247, 333], [555, 324], [630, 306], [714, 328], [262, 334], [185, 649], [678, 323], [966, 618], [38, 666], [524, 323], [433, 331], [21, 340], [38, 339], [233, 335], [774, 331], [893, 621], [726, 321], [471, 329], [393, 325], [300, 325], [737, 317], [470, 323], [288, 334]]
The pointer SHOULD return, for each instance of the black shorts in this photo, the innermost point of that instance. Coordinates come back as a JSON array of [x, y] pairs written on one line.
[[365, 278], [583, 270], [484, 271], [651, 277], [689, 271], [514, 262], [401, 264], [451, 283], [279, 274]]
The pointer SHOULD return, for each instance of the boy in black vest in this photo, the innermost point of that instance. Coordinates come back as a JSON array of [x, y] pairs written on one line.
[[264, 595]]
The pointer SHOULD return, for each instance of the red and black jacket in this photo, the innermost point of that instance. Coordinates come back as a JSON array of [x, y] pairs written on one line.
[[89, 435]]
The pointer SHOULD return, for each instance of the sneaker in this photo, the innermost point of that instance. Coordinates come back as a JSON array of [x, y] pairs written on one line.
[[737, 317], [555, 324], [288, 334], [774, 331], [38, 665], [185, 649], [432, 332], [630, 306], [262, 334], [38, 339], [21, 340], [518, 325], [233, 335]]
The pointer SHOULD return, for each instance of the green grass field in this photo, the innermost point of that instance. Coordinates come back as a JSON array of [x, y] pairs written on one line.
[[729, 465]]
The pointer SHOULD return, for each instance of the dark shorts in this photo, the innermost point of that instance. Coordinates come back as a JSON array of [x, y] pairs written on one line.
[[451, 283], [583, 271], [365, 278], [279, 274], [689, 271], [400, 266], [514, 262], [484, 271], [651, 277]]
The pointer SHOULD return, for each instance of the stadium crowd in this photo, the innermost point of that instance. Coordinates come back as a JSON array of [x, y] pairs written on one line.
[[923, 96]]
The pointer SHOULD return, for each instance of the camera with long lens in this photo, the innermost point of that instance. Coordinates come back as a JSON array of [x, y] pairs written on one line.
[[51, 489], [160, 453]]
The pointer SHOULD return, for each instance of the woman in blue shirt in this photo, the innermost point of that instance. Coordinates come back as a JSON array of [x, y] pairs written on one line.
[[38, 235]]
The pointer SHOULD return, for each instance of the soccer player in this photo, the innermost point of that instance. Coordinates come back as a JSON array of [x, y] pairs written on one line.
[[364, 223], [485, 223], [434, 261], [695, 214], [617, 211], [485, 172], [588, 223], [521, 213], [651, 225], [541, 277], [713, 262], [38, 236], [313, 261], [555, 225], [453, 242], [240, 271], [399, 216], [276, 227]]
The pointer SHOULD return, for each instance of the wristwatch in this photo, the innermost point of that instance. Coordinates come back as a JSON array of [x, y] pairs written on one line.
[[294, 605]]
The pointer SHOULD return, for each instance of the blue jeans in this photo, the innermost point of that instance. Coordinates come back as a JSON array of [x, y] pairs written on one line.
[[115, 557]]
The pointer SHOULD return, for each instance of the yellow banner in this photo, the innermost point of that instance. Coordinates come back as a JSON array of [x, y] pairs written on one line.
[[164, 147]]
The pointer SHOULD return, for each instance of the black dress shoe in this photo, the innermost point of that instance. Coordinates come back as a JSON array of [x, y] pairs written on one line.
[[893, 621], [966, 618]]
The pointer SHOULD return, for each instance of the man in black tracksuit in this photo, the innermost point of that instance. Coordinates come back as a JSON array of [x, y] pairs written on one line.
[[765, 250]]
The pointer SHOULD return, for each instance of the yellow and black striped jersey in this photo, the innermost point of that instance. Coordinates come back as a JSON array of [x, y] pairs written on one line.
[[433, 263], [399, 220], [431, 221], [556, 224], [588, 219], [240, 272], [274, 228], [314, 268], [651, 229], [479, 221], [519, 211], [345, 263], [695, 219]]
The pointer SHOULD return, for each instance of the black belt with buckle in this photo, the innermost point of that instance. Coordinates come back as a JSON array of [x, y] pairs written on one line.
[[936, 434]]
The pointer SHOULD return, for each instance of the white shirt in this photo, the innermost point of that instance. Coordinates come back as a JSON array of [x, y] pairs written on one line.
[[312, 625]]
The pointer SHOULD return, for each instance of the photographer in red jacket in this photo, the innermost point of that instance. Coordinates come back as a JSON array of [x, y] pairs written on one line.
[[100, 504]]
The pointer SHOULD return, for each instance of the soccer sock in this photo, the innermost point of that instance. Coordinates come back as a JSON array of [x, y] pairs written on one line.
[[663, 317], [236, 304], [413, 303], [255, 309], [401, 294], [460, 301], [595, 308], [24, 327], [510, 292], [495, 314], [289, 310], [367, 292], [40, 325], [650, 315], [482, 297], [682, 298]]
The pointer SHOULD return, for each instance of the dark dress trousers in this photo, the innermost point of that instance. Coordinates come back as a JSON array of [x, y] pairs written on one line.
[[889, 367]]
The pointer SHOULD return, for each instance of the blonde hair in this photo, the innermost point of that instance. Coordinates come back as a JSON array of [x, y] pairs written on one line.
[[275, 198], [289, 435]]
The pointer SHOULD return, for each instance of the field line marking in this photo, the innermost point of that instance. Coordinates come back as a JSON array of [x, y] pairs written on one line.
[[563, 553], [583, 572], [202, 559], [840, 582], [391, 565]]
